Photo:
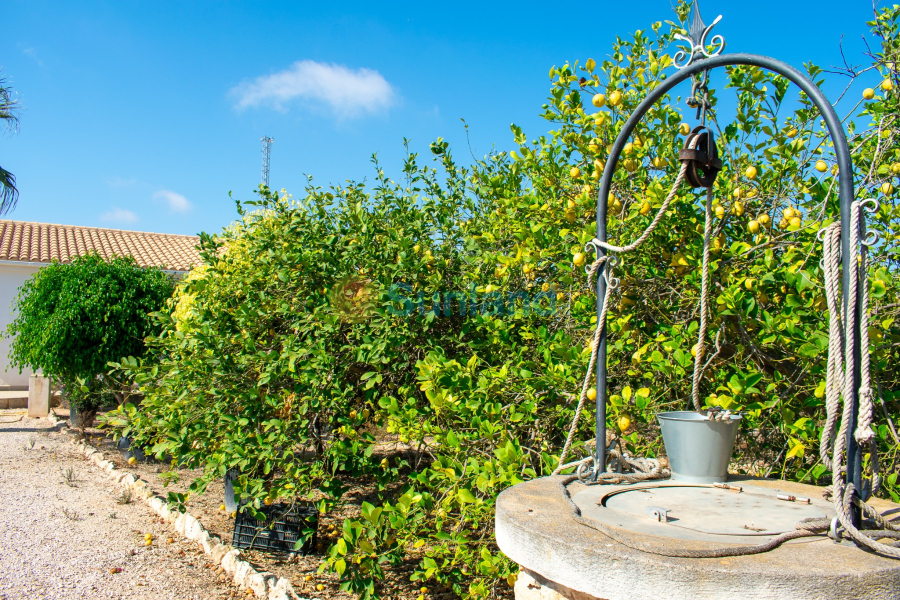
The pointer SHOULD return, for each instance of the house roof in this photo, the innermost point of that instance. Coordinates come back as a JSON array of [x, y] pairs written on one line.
[[44, 242]]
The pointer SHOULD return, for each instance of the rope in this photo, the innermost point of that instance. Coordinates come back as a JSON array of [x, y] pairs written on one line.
[[838, 387], [659, 215], [704, 305], [595, 346]]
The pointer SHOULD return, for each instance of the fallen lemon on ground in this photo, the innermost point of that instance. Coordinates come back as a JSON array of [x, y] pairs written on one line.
[[132, 461]]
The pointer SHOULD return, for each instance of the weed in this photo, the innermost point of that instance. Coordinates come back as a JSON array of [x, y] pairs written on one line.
[[124, 497], [70, 513], [69, 477]]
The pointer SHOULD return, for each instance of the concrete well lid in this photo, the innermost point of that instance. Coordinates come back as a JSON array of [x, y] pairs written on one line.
[[535, 528]]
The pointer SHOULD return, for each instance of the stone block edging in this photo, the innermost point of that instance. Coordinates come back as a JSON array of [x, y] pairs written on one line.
[[264, 585]]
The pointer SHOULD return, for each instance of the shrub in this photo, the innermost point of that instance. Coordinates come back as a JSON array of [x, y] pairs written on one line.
[[74, 318]]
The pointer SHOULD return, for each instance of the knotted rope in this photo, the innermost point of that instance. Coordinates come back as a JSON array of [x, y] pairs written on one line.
[[839, 387]]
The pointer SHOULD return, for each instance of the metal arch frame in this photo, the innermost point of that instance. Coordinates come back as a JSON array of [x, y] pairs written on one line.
[[845, 186]]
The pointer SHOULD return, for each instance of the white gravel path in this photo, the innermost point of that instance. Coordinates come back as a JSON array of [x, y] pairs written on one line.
[[97, 552]]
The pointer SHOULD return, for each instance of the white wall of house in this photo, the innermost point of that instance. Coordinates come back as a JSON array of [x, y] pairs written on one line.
[[12, 275]]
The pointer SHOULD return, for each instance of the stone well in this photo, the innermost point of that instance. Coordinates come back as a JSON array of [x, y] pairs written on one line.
[[560, 557]]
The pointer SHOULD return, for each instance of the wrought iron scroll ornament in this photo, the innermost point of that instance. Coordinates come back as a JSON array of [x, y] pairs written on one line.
[[697, 40]]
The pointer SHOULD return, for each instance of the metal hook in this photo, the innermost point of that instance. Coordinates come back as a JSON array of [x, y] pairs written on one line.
[[872, 238], [611, 282], [875, 205], [821, 234]]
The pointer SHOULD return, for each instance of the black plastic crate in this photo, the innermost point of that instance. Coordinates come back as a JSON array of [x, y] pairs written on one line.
[[283, 526]]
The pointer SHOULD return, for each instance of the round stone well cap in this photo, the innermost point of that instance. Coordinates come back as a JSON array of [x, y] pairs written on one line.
[[699, 512], [536, 529]]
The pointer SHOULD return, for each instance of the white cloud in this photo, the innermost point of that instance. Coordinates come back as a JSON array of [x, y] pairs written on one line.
[[119, 215], [176, 202], [348, 92]]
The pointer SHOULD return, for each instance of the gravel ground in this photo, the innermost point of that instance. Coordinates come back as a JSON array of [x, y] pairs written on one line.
[[64, 537]]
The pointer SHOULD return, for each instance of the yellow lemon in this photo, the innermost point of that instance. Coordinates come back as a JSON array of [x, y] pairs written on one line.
[[578, 259], [615, 99], [737, 193], [267, 501], [308, 578], [545, 287], [887, 188], [720, 211], [751, 172], [352, 414], [694, 350], [384, 463], [792, 132], [645, 208], [868, 93], [895, 168], [628, 149], [222, 507], [753, 226], [821, 166], [624, 423], [593, 148], [749, 283], [574, 172], [684, 129], [796, 222], [738, 209], [887, 85], [319, 587], [132, 461], [764, 219], [560, 297], [592, 394], [599, 100]]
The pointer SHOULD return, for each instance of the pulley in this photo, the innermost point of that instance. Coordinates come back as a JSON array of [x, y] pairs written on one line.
[[702, 158]]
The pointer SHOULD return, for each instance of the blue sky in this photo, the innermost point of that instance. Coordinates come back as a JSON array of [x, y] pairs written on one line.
[[144, 115]]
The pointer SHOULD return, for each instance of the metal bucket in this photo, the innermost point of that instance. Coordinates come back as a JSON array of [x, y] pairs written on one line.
[[698, 449]]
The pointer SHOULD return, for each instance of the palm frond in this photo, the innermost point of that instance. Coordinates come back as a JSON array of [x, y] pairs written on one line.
[[9, 194], [9, 106]]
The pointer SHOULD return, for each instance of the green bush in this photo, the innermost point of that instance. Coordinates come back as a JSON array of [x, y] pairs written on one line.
[[74, 318], [309, 354]]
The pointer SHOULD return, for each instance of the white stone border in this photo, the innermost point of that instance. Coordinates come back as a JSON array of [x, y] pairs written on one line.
[[264, 585]]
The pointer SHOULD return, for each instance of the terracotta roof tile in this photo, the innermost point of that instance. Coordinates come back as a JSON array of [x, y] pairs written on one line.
[[43, 242]]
